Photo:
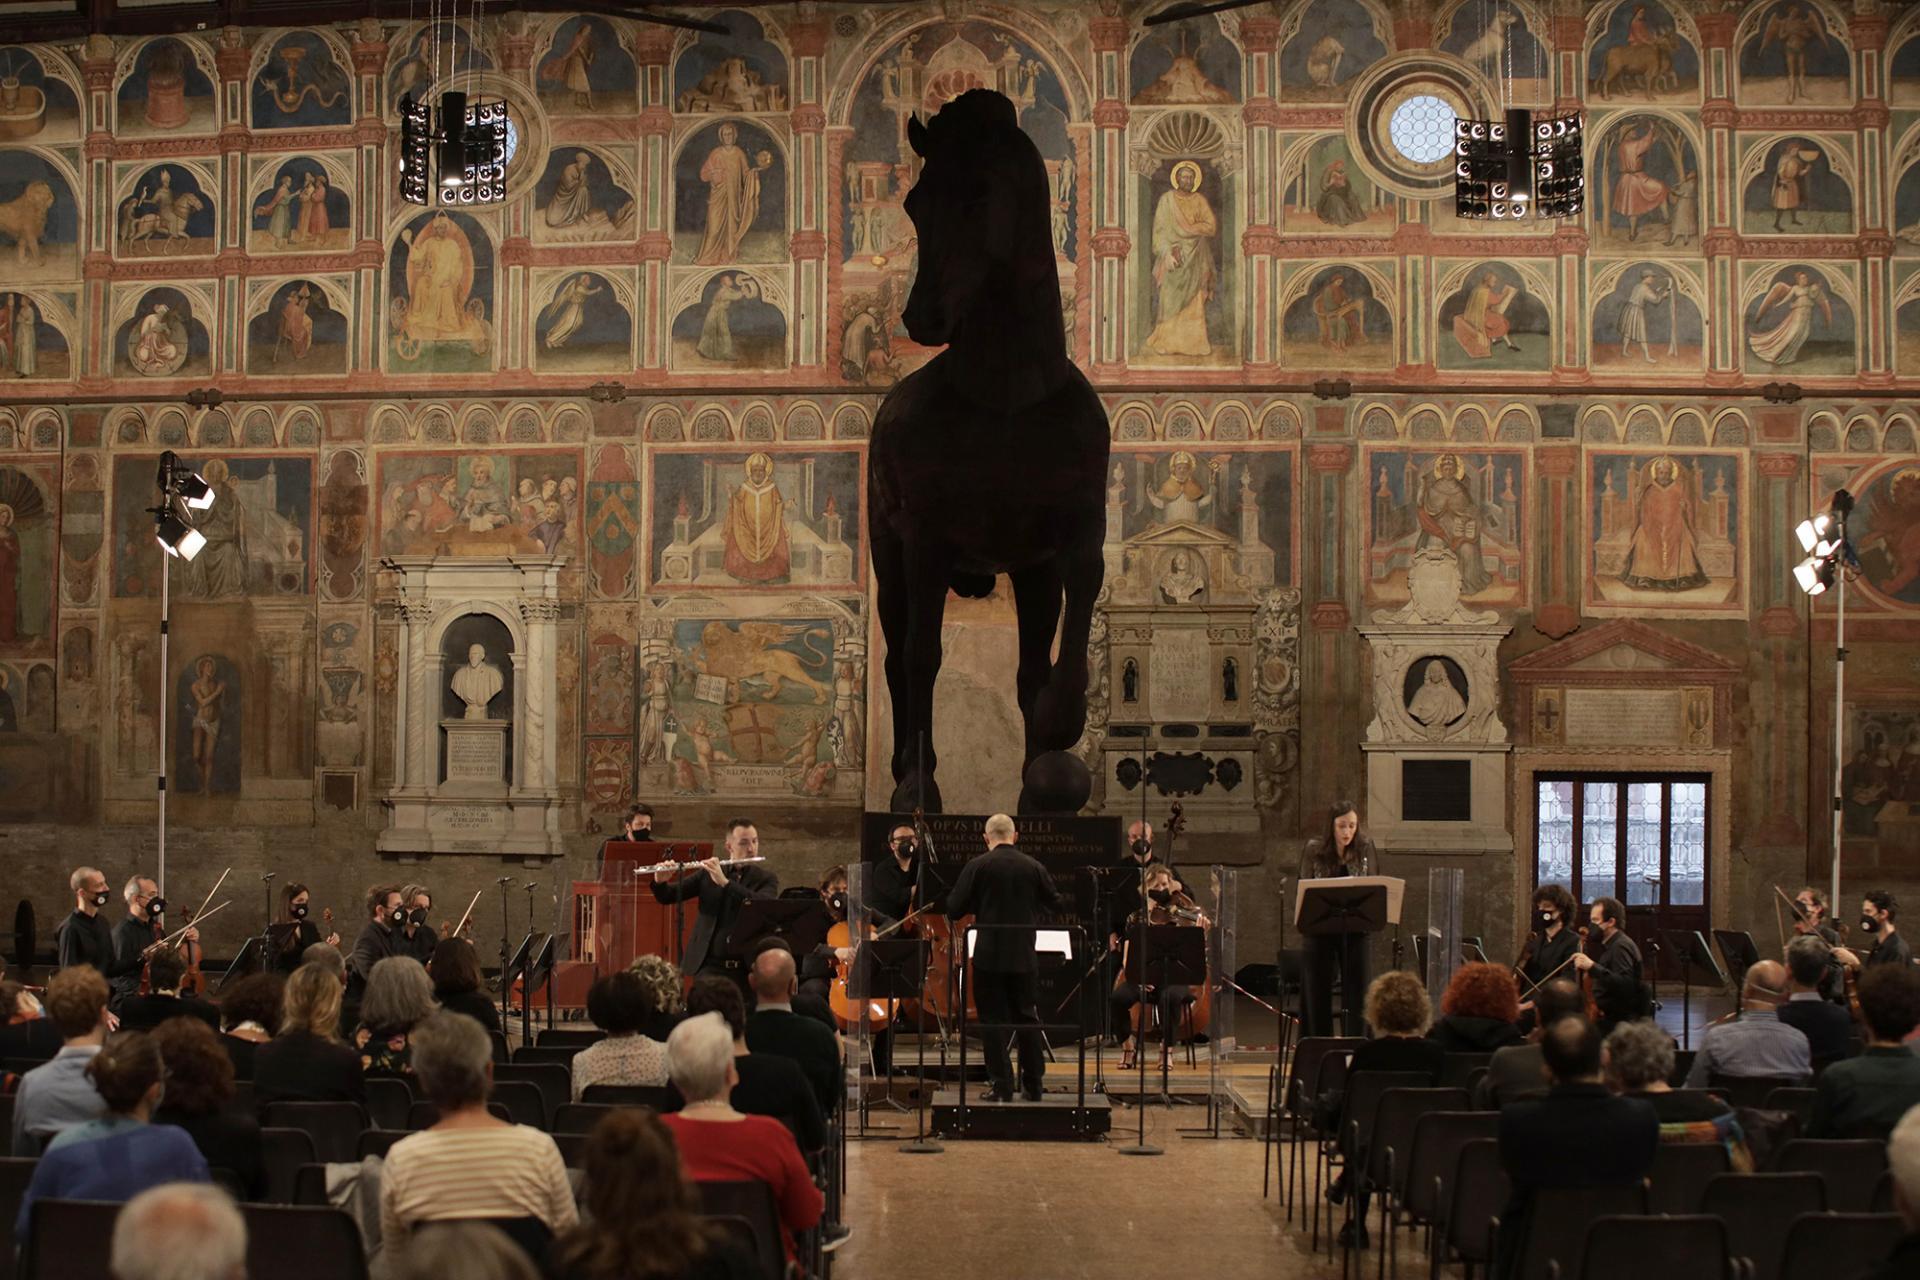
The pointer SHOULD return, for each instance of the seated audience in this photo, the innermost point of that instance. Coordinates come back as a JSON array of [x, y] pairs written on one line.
[[249, 1016], [1756, 1044], [620, 1004], [1865, 1097], [720, 1144], [1479, 1011], [1579, 1135], [773, 1026], [399, 997], [1398, 1013], [643, 1219], [163, 999], [25, 1030], [199, 1099], [180, 1231], [27, 1007], [1903, 1160], [1518, 1071], [307, 1061], [119, 1155], [769, 1085], [455, 971], [664, 986], [1827, 1026], [328, 957], [1640, 1064], [59, 1094], [469, 1164], [469, 1250]]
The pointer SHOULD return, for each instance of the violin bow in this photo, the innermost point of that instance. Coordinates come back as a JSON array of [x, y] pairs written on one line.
[[168, 941], [900, 923], [209, 898], [469, 911], [1535, 986]]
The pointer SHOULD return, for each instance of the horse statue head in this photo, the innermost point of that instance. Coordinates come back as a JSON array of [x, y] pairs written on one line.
[[987, 283]]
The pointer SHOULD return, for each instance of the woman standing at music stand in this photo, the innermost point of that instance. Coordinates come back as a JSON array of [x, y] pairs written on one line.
[[1343, 850]]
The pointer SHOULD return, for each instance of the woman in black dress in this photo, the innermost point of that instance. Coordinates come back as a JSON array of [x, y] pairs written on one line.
[[295, 932], [1343, 850], [456, 982]]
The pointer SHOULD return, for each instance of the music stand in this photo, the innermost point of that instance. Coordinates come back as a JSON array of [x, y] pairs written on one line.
[[243, 964], [896, 969], [800, 924], [1693, 952], [1738, 950], [538, 973], [1172, 955], [1345, 905], [516, 967]]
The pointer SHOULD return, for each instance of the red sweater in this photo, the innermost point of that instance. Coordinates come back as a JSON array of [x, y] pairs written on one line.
[[752, 1149]]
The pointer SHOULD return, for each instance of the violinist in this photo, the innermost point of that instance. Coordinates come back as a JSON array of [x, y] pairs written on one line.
[[1138, 857], [1877, 914], [84, 937], [417, 938], [1810, 921], [378, 939], [891, 882], [1344, 850], [133, 935], [294, 932], [1612, 962], [1551, 942], [1166, 905]]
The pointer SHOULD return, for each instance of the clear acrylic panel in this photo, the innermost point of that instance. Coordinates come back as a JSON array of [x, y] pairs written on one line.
[[1598, 828], [1218, 898], [1645, 803], [1553, 862], [1687, 853], [1446, 892]]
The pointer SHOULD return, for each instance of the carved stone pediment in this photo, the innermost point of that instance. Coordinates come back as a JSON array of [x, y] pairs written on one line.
[[1625, 684], [1181, 565], [1625, 650]]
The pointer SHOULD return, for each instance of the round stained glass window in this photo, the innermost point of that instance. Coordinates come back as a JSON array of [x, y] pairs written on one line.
[[1422, 129]]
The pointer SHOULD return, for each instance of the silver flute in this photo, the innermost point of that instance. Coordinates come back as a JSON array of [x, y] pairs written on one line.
[[688, 866]]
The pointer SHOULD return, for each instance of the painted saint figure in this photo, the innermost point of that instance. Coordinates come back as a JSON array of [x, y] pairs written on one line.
[[756, 539], [1633, 314], [1449, 515], [220, 570], [208, 692], [570, 66], [1180, 498], [1338, 205], [1665, 553], [1483, 321], [716, 328], [571, 201], [1683, 223], [1637, 193], [568, 310], [1781, 342], [1184, 229], [733, 196], [1794, 29], [9, 577], [158, 346], [1338, 314], [278, 210], [1788, 194], [26, 338], [296, 326]]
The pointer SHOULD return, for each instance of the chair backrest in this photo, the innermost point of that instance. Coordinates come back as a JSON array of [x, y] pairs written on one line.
[[733, 1227], [1433, 1156], [389, 1098], [1758, 1208], [15, 1173], [335, 1126], [1883, 1194], [658, 1096], [569, 1035], [310, 1185], [1816, 1242], [1459, 1069], [754, 1202], [499, 1041], [560, 1053], [243, 1097], [1391, 1128], [578, 1117], [522, 1099], [1480, 1191], [531, 1234], [1750, 1091], [1680, 1173], [1675, 1247], [573, 1149], [424, 1115], [377, 1142], [554, 1081], [1794, 1098], [303, 1242], [282, 1152], [1557, 1221], [1364, 1091], [69, 1238], [1849, 1166], [1303, 1075], [1682, 1066]]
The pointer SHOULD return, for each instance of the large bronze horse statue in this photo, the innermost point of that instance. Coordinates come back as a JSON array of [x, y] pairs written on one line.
[[990, 459]]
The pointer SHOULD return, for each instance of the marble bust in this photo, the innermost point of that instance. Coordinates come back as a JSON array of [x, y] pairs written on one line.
[[476, 683]]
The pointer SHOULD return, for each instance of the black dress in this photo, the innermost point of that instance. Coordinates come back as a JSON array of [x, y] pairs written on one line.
[[228, 1139], [298, 1066], [472, 1003], [1346, 954]]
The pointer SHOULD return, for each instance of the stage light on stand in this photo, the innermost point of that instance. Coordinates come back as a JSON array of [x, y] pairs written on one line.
[[1831, 555], [1515, 168]]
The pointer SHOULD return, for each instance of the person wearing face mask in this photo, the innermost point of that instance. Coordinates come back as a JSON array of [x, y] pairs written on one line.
[[1551, 944], [890, 882], [1877, 914], [85, 937], [636, 826], [1613, 959], [417, 937], [379, 939], [1344, 850], [297, 931], [1139, 858], [133, 935], [1810, 921]]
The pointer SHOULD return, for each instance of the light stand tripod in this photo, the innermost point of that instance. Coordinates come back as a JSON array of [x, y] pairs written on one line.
[[506, 979], [923, 1143]]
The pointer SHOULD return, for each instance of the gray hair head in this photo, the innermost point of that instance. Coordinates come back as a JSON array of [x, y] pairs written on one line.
[[699, 1051], [399, 994], [450, 1056], [1639, 1054], [180, 1231]]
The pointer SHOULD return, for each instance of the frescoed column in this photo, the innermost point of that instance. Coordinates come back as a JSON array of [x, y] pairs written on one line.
[[1111, 178]]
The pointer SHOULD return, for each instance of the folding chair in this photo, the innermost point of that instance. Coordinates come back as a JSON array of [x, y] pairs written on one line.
[[1428, 1167], [424, 1115], [377, 1142], [1816, 1241], [282, 1152], [739, 1230], [560, 1053], [1849, 1166], [389, 1098], [68, 1238], [1302, 1082], [334, 1126], [499, 1041], [659, 1097], [579, 1117], [1682, 1247], [303, 1242], [1758, 1208], [1459, 1069], [1479, 1195], [1750, 1091], [569, 1036], [554, 1082], [1680, 1173], [15, 1173], [1387, 1141], [752, 1201], [1330, 1073], [1557, 1222], [1792, 1098]]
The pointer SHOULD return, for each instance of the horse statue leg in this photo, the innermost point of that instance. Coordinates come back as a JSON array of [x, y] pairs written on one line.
[[1056, 781], [910, 595]]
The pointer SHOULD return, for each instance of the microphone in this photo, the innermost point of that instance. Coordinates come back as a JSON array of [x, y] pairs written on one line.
[[504, 880], [532, 885], [267, 876]]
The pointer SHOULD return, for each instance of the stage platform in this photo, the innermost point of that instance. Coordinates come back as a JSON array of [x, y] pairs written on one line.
[[1057, 1117]]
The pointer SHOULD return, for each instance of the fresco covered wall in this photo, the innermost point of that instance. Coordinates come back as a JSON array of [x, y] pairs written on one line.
[[660, 358]]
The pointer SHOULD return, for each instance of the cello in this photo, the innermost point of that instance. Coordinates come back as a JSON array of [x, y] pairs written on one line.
[[1165, 906]]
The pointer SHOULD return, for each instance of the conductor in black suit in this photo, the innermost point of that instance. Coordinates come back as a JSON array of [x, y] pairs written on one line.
[[1004, 886], [721, 892]]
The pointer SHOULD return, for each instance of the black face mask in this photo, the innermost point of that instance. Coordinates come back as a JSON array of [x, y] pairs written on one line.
[[298, 911], [1141, 847], [1546, 919], [398, 916], [1869, 924], [417, 916], [102, 898], [905, 849], [643, 833], [156, 908]]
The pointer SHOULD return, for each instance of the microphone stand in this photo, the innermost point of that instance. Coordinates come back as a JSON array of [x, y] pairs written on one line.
[[505, 956], [266, 929], [923, 1144], [526, 974]]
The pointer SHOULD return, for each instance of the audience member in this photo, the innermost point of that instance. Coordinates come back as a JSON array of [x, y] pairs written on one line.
[[25, 1030], [249, 1017], [1903, 1159], [27, 1006], [399, 997], [769, 1085], [1518, 1071], [1865, 1097], [643, 1215], [163, 999], [1640, 1065], [468, 1250], [1756, 1044], [329, 958], [469, 1164], [1479, 1011], [1827, 1026], [1578, 1136], [180, 1231], [665, 987], [720, 1144], [620, 1004], [1398, 1013], [455, 971], [307, 1062], [199, 1099], [773, 1026], [120, 1154], [60, 1094]]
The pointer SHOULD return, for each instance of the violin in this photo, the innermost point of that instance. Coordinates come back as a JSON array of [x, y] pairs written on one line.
[[192, 982]]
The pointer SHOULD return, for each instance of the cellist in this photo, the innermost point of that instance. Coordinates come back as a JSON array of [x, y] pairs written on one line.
[[1551, 943], [1613, 965], [1165, 905]]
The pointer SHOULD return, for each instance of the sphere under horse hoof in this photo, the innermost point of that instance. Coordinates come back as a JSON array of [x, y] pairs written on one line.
[[1057, 782]]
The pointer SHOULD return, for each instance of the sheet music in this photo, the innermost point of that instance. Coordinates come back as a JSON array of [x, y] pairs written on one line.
[[1396, 890]]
